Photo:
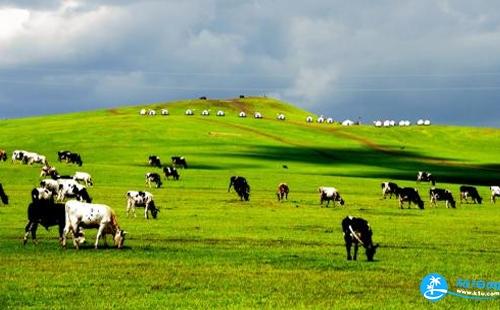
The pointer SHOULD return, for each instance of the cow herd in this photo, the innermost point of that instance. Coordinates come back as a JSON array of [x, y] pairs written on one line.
[[64, 201]]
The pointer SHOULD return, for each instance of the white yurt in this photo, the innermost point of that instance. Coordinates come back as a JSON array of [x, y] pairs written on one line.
[[281, 117], [347, 122], [205, 113], [378, 123], [257, 115], [329, 120], [309, 119], [220, 113], [164, 112], [142, 112], [243, 114], [189, 112]]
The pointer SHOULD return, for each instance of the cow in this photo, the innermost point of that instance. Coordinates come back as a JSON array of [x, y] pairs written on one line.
[[426, 177], [410, 194], [241, 187], [87, 215], [31, 158], [3, 196], [83, 177], [329, 194], [74, 158], [357, 230], [171, 172], [72, 189], [3, 155], [154, 161], [61, 155], [46, 213], [51, 185], [495, 192], [179, 161], [439, 194], [141, 199], [283, 191], [469, 191], [48, 171], [389, 188], [153, 177], [18, 155]]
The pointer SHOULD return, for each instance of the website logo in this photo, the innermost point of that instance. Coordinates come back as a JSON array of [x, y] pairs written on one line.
[[434, 288]]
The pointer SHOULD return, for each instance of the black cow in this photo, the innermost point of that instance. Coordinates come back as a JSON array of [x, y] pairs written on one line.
[[154, 161], [171, 172], [410, 195], [357, 230], [3, 155], [3, 196], [46, 213], [74, 158], [241, 187], [282, 191], [389, 188], [426, 177], [470, 191], [179, 161], [439, 194], [153, 177]]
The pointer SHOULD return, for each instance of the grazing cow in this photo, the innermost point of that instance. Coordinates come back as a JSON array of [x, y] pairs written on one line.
[[357, 230], [389, 188], [439, 194], [410, 194], [3, 196], [34, 158], [495, 192], [153, 177], [329, 194], [83, 177], [241, 187], [74, 158], [48, 171], [171, 172], [426, 177], [87, 215], [46, 213], [154, 161], [141, 199], [283, 191], [72, 189], [470, 191], [3, 155], [179, 161]]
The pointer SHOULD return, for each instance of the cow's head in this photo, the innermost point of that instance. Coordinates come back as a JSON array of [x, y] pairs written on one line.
[[370, 251], [420, 204], [119, 237], [154, 210], [479, 199], [79, 161]]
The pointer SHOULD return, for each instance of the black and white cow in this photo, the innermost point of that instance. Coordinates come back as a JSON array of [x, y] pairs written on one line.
[[51, 185], [153, 177], [179, 161], [18, 156], [154, 161], [357, 231], [329, 194], [3, 155], [241, 187], [88, 215], [495, 192], [171, 172], [282, 192], [3, 196], [423, 176], [389, 188], [410, 194], [72, 189], [469, 191], [141, 199], [46, 213], [439, 194]]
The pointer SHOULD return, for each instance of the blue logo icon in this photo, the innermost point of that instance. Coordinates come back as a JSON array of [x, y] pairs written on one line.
[[434, 287]]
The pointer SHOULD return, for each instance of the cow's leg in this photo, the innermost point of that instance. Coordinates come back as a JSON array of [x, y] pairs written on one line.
[[99, 233], [30, 228], [348, 243], [61, 231], [146, 212], [401, 203], [355, 250]]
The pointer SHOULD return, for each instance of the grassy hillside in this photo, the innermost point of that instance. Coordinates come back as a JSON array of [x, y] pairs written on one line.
[[209, 250]]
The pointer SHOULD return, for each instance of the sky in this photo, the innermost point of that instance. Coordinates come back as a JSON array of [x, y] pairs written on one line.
[[438, 60]]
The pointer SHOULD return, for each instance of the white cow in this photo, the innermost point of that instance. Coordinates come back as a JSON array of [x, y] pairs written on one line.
[[87, 215], [83, 177], [141, 199], [330, 194], [495, 192]]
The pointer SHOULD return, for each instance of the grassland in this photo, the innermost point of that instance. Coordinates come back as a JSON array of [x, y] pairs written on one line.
[[209, 250]]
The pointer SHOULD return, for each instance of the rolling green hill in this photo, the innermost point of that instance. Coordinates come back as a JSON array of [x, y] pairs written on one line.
[[209, 250]]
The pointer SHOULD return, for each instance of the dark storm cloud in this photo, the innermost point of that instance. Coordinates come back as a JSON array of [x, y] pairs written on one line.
[[384, 59]]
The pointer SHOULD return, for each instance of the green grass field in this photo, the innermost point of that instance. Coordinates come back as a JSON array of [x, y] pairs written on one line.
[[209, 250]]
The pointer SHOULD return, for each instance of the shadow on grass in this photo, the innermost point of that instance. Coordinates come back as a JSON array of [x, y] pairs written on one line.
[[397, 165]]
